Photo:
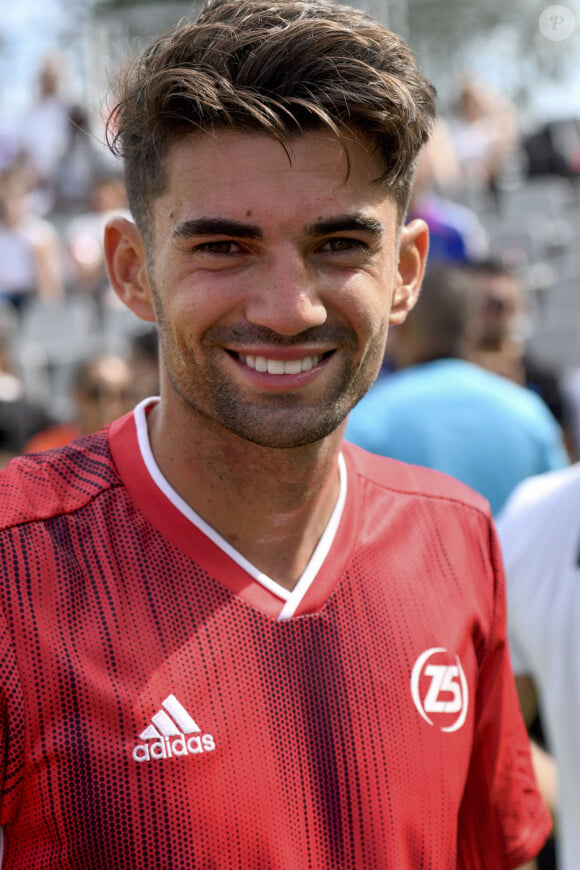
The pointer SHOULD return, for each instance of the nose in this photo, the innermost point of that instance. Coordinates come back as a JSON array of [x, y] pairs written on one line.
[[286, 295]]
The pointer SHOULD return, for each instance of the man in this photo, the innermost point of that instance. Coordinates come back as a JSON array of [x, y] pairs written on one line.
[[540, 536], [101, 390], [444, 412], [500, 340], [231, 639]]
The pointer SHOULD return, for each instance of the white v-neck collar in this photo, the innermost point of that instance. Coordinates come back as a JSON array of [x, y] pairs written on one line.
[[291, 599]]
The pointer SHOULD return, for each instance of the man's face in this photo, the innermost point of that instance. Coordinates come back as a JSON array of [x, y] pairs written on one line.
[[272, 282], [502, 309], [105, 393]]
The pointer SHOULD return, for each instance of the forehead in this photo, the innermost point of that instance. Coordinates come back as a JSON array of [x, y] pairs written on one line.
[[238, 174]]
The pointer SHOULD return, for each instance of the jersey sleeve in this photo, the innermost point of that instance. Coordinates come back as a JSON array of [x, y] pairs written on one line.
[[11, 727], [503, 819]]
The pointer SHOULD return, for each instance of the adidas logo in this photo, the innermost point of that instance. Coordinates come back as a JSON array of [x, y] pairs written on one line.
[[172, 733]]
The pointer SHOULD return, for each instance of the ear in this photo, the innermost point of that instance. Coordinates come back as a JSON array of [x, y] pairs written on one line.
[[126, 260], [413, 250]]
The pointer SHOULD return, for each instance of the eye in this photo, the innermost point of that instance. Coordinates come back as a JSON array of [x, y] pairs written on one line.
[[224, 246], [341, 243]]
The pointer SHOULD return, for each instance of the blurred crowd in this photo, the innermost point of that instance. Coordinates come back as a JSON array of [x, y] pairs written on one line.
[[71, 358]]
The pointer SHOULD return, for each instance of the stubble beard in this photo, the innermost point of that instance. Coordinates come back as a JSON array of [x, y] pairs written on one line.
[[278, 421]]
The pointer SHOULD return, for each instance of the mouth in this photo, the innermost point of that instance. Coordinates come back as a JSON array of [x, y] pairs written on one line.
[[276, 366], [280, 366]]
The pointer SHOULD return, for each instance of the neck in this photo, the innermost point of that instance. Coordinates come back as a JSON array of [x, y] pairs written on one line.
[[272, 505]]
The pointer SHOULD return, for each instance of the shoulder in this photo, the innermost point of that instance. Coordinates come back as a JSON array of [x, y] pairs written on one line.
[[539, 529], [443, 377], [461, 382], [501, 388], [538, 496], [39, 486], [398, 392], [413, 481], [539, 533]]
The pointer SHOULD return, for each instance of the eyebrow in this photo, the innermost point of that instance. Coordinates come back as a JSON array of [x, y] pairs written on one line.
[[206, 226], [346, 223]]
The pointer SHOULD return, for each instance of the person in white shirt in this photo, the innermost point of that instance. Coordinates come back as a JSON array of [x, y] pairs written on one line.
[[539, 530]]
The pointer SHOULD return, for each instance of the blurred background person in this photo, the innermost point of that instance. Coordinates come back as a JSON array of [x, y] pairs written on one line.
[[500, 339], [83, 236], [439, 410], [456, 234], [81, 163], [539, 530], [31, 253], [485, 134], [102, 390], [44, 128]]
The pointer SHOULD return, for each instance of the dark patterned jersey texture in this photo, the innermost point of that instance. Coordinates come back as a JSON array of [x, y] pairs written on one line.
[[153, 717]]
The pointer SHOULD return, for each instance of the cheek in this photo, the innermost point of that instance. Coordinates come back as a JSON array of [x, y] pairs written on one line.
[[195, 302], [368, 304]]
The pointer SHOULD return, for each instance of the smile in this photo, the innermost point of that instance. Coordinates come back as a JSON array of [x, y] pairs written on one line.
[[278, 366]]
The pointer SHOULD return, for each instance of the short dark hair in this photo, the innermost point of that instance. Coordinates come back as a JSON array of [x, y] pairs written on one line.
[[279, 67], [490, 267]]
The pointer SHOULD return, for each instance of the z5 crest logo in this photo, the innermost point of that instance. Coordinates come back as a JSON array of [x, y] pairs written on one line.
[[439, 689]]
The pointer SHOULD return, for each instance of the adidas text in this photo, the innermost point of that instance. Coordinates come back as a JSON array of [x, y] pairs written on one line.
[[173, 747]]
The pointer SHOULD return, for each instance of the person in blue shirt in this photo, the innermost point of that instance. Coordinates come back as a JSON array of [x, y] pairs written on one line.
[[439, 410]]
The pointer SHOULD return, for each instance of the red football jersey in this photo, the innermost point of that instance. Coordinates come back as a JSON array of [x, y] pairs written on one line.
[[162, 705]]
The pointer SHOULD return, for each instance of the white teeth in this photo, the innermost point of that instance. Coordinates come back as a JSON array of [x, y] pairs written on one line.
[[292, 367], [280, 367]]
